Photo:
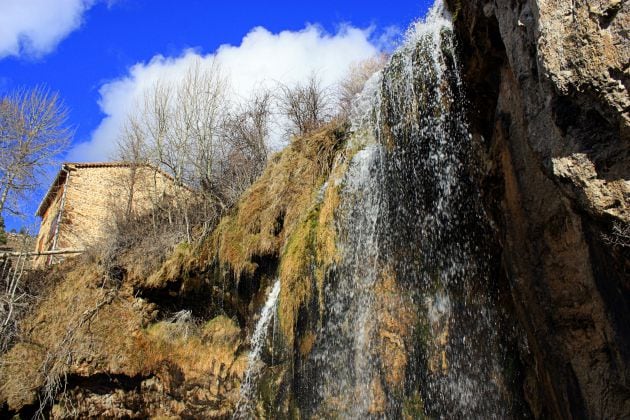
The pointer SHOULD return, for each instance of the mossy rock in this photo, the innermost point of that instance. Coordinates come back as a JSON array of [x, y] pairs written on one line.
[[273, 393], [413, 407]]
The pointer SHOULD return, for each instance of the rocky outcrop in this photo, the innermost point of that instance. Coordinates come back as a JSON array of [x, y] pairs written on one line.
[[548, 85], [97, 346], [117, 339]]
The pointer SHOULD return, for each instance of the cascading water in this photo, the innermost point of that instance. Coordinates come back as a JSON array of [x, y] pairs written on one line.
[[441, 218], [344, 367], [410, 222], [406, 325], [244, 407]]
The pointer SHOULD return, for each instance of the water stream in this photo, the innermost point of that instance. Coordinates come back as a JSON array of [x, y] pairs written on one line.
[[409, 327], [245, 407]]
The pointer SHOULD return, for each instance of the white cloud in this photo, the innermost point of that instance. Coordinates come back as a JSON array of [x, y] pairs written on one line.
[[390, 38], [261, 58], [35, 27]]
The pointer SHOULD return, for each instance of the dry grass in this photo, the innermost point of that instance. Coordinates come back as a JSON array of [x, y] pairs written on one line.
[[78, 324], [309, 253], [296, 275], [288, 215], [21, 291], [200, 351], [87, 325], [268, 221], [175, 267], [91, 324], [267, 214]]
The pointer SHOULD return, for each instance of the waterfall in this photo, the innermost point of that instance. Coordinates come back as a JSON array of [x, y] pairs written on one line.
[[409, 288], [345, 367], [254, 362], [406, 326]]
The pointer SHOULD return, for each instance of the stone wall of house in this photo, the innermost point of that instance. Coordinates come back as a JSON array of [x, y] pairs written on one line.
[[46, 235], [94, 196]]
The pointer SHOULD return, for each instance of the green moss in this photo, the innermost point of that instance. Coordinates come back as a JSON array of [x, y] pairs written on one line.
[[413, 407], [271, 393], [457, 10], [296, 274], [309, 252], [272, 208], [183, 247]]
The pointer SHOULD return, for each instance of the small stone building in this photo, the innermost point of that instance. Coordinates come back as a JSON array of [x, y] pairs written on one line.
[[84, 199]]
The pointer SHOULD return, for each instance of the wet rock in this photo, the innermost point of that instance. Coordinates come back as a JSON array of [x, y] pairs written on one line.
[[548, 84]]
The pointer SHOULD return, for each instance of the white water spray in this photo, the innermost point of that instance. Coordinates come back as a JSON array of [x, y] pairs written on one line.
[[254, 362]]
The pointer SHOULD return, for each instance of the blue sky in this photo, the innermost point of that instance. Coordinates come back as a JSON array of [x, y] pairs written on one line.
[[95, 53]]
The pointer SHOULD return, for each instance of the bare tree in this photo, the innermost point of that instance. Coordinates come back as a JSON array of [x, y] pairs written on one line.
[[33, 132], [13, 299], [20, 288], [246, 132], [132, 149], [201, 106], [307, 105], [179, 126], [178, 130]]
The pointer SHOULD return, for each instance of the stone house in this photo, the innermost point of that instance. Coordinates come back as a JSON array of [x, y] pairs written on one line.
[[84, 198]]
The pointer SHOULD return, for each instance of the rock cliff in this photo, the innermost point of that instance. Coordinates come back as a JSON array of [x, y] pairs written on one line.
[[548, 86]]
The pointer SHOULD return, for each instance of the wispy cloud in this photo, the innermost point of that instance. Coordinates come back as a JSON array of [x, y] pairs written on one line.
[[389, 39], [262, 58], [35, 27]]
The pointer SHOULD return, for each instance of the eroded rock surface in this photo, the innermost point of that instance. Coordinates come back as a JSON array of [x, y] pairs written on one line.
[[548, 85]]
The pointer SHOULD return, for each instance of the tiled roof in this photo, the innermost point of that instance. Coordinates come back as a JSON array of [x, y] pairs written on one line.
[[100, 164]]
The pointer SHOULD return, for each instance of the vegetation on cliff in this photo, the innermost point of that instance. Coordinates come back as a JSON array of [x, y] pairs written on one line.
[[178, 326]]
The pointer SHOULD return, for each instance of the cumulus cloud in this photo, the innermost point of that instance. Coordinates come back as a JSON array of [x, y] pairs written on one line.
[[35, 27], [262, 58]]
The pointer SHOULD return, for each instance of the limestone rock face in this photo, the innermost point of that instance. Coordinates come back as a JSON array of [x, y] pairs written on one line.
[[550, 113]]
